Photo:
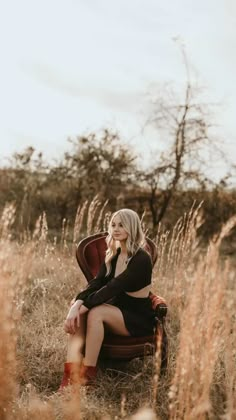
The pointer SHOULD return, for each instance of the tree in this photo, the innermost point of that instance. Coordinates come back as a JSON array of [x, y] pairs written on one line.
[[99, 164], [24, 180], [185, 123]]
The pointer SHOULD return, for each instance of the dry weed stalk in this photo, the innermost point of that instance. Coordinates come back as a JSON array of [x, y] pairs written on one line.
[[176, 253], [156, 373], [107, 217], [92, 225], [81, 211], [204, 332], [230, 360], [40, 232], [6, 221], [122, 406], [63, 232], [71, 405], [92, 209], [76, 225], [225, 231], [66, 235], [12, 281], [143, 224], [100, 217]]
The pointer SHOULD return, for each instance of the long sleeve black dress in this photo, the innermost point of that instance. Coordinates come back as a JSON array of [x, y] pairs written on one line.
[[138, 314]]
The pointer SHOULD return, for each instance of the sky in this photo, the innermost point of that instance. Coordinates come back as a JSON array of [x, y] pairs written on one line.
[[69, 67]]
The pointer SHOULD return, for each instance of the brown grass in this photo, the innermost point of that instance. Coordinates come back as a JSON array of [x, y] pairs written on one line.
[[38, 280]]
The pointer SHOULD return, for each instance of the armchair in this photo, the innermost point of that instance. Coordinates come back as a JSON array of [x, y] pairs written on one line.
[[90, 254]]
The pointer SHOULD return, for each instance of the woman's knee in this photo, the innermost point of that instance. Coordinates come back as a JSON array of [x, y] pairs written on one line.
[[95, 315]]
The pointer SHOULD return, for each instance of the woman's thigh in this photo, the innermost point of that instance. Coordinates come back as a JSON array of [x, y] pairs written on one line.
[[82, 324], [112, 318]]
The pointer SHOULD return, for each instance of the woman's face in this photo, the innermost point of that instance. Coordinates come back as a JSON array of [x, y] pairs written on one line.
[[117, 230]]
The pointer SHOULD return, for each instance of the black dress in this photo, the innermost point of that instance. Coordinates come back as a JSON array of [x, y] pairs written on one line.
[[139, 317]]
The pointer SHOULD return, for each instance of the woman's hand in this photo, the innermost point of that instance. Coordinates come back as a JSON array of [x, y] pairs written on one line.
[[72, 319], [83, 310]]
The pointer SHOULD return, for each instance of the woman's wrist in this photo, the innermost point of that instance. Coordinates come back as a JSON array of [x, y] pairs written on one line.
[[78, 303], [83, 309]]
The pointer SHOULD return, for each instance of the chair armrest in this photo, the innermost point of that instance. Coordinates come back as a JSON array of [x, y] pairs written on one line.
[[159, 305], [161, 311]]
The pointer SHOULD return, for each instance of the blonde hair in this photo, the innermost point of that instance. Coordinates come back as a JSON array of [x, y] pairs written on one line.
[[135, 240]]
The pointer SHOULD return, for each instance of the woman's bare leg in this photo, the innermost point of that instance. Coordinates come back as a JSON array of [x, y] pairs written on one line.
[[103, 315], [76, 342]]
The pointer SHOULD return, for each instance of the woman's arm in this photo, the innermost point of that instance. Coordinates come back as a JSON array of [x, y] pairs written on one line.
[[73, 316], [72, 319], [135, 277], [94, 284], [83, 310]]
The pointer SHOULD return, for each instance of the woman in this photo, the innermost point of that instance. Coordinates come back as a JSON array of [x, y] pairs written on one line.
[[116, 300]]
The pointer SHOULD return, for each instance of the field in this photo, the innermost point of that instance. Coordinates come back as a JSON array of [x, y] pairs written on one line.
[[39, 277]]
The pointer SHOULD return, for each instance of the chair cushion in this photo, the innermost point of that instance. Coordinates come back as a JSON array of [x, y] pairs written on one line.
[[126, 348], [124, 340]]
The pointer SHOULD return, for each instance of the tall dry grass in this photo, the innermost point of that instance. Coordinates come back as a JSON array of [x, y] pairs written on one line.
[[38, 279]]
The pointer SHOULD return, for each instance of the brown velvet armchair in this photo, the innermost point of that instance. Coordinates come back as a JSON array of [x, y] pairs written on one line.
[[90, 254]]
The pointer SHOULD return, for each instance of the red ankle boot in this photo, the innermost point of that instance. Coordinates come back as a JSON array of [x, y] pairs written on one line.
[[75, 373], [87, 375], [71, 375]]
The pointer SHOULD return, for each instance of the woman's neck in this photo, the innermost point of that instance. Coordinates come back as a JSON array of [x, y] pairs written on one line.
[[123, 249]]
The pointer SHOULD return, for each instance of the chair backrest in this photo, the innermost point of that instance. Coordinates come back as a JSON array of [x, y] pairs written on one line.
[[90, 253]]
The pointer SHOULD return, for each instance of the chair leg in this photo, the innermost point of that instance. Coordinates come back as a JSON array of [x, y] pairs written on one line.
[[164, 352]]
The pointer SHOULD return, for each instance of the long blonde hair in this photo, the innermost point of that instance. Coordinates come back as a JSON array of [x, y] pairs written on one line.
[[136, 239]]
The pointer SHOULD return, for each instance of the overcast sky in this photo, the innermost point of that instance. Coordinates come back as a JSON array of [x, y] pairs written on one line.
[[72, 66]]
